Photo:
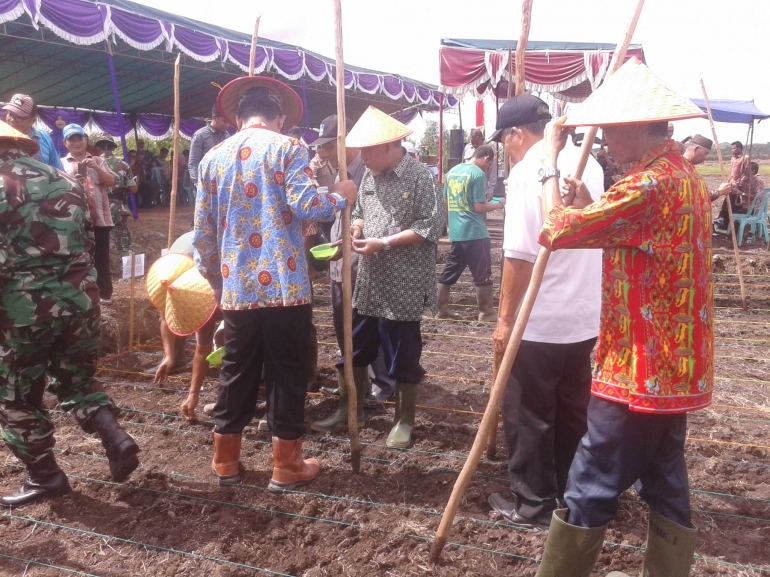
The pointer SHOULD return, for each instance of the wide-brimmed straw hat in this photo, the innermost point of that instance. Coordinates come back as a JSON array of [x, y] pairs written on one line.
[[162, 273], [190, 303], [10, 135], [633, 95], [374, 128], [282, 94]]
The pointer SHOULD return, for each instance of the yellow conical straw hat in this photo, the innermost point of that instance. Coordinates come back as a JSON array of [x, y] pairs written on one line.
[[17, 139], [189, 303], [632, 95], [375, 127], [162, 273]]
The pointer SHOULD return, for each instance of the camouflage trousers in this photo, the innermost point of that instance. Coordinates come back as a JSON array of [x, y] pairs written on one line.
[[121, 234], [60, 354]]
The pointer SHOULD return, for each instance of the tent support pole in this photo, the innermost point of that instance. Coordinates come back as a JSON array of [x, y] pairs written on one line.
[[116, 98], [441, 138]]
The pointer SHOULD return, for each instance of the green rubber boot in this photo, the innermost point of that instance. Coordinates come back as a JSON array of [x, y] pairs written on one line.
[[400, 435], [340, 414], [670, 548], [570, 551]]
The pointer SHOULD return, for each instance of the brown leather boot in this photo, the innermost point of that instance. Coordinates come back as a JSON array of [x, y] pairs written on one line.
[[290, 470], [227, 454]]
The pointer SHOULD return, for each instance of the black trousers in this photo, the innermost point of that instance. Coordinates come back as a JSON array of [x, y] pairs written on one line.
[[475, 254], [401, 343], [102, 261], [544, 418], [624, 448], [378, 370], [276, 339]]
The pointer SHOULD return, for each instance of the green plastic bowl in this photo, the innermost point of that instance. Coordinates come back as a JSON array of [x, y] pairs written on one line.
[[215, 358], [324, 251]]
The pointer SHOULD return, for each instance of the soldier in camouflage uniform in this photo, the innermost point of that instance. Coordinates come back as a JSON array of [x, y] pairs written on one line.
[[49, 320], [118, 194]]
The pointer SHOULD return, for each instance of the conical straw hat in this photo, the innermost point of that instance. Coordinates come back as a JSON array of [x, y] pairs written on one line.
[[162, 273], [375, 127], [189, 303], [632, 95], [12, 136]]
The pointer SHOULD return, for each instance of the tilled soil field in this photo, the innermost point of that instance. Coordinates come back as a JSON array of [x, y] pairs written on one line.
[[172, 518]]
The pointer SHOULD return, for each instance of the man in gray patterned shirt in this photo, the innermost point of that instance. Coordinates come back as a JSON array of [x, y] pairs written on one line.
[[395, 227], [204, 140]]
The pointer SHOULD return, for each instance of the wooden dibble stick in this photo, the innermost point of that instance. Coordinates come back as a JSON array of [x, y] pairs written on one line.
[[521, 48], [727, 198], [175, 167], [347, 280], [498, 388], [253, 52]]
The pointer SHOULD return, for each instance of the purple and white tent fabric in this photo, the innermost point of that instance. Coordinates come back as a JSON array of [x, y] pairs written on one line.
[[87, 22]]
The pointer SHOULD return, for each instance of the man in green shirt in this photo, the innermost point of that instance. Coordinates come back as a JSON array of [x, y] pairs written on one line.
[[466, 202]]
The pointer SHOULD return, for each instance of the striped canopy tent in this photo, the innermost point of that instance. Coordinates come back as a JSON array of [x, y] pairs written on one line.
[[93, 57], [569, 71]]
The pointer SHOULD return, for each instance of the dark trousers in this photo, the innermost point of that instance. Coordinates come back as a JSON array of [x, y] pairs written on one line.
[[401, 344], [102, 261], [544, 418], [378, 370], [624, 448], [475, 254], [276, 339]]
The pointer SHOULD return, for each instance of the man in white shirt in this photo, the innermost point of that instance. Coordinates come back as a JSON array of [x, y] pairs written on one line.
[[477, 139], [545, 403]]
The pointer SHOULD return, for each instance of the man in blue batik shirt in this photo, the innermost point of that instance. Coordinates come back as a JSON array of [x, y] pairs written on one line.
[[254, 191]]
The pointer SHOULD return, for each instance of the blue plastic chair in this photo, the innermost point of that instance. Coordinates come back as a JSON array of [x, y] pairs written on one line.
[[756, 218]]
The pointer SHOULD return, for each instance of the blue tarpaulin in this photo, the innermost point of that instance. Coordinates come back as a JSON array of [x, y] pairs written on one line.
[[737, 111]]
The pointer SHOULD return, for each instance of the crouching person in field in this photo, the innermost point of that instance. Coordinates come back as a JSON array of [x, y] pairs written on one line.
[[49, 320]]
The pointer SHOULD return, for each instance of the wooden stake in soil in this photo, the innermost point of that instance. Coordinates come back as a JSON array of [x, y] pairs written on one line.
[[132, 287], [521, 48], [347, 284], [727, 198], [496, 395], [175, 167], [253, 53]]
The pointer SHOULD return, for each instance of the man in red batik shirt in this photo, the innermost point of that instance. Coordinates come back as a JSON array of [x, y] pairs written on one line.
[[654, 361]]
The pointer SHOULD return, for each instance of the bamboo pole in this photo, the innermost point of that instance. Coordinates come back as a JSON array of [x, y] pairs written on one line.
[[253, 52], [469, 468], [727, 199], [175, 167], [347, 284], [132, 288], [521, 47]]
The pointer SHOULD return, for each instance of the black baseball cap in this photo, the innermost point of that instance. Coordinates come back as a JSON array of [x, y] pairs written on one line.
[[328, 131], [518, 111]]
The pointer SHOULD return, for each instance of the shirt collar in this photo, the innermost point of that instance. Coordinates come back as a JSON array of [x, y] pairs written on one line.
[[12, 154], [72, 159], [402, 166], [654, 153]]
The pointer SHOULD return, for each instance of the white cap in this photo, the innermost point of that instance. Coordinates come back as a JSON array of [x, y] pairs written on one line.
[[409, 147]]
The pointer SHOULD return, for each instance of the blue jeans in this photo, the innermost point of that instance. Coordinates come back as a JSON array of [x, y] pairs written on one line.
[[624, 448]]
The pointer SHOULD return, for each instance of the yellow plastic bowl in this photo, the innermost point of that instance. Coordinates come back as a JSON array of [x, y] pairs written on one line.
[[215, 358], [324, 251]]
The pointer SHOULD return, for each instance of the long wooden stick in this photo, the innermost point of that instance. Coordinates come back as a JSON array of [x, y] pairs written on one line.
[[347, 284], [521, 48], [727, 198], [253, 52], [498, 388], [132, 287], [175, 167]]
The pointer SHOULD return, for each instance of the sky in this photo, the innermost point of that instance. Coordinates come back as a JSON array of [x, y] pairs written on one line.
[[724, 41]]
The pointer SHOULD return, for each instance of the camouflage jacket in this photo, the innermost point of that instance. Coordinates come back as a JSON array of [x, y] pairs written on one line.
[[125, 177], [46, 244]]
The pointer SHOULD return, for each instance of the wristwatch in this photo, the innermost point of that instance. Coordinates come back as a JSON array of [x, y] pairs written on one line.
[[385, 243], [546, 173]]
